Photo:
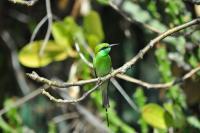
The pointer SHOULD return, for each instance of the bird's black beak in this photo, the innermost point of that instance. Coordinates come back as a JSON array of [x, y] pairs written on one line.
[[113, 45]]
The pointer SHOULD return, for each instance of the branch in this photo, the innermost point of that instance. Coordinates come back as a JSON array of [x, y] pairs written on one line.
[[36, 77], [143, 83], [192, 72], [121, 69], [161, 85], [124, 77], [52, 98], [151, 44]]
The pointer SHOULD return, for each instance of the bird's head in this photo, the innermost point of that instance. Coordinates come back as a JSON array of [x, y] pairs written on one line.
[[103, 48]]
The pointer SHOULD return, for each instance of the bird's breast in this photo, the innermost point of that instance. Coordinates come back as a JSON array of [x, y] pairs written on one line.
[[102, 65]]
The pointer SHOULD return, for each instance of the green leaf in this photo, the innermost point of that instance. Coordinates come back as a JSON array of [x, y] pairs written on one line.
[[51, 127], [12, 114], [139, 97], [164, 64], [143, 126], [193, 61], [194, 122], [156, 116], [61, 34], [64, 32], [177, 115], [5, 127], [29, 54], [93, 28], [178, 43]]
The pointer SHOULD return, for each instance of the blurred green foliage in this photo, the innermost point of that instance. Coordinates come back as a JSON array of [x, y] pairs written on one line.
[[169, 108], [14, 122]]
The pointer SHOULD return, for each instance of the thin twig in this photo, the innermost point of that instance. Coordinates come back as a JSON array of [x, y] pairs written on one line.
[[37, 28], [52, 98], [192, 72], [82, 56], [142, 83], [161, 85], [48, 33], [36, 77]]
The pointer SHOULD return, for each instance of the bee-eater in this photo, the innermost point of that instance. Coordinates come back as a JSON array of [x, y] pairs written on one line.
[[102, 66]]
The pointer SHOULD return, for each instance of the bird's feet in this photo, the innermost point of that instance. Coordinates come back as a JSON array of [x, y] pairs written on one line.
[[99, 80]]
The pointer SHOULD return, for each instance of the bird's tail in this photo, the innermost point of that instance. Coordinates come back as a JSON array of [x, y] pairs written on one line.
[[107, 117], [105, 99]]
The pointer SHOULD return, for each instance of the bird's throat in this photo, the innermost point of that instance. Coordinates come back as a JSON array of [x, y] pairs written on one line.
[[103, 52]]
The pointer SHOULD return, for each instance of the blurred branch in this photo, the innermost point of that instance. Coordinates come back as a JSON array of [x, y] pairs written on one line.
[[87, 115], [133, 21], [22, 100], [120, 70], [24, 2], [18, 72], [19, 16], [124, 94], [92, 119], [76, 8], [64, 117]]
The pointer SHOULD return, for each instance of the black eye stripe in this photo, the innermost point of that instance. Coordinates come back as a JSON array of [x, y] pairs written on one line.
[[104, 48]]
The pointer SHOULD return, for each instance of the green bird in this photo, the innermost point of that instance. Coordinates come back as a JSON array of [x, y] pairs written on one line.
[[102, 66]]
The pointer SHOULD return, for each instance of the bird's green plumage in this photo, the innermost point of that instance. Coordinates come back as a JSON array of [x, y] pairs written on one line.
[[102, 65]]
